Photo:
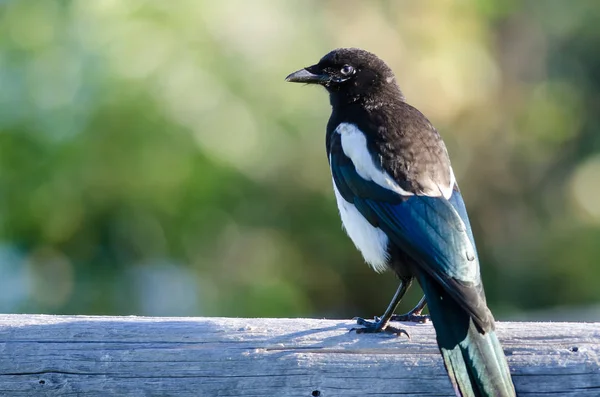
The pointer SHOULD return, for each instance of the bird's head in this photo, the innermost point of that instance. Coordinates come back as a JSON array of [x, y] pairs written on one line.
[[350, 75]]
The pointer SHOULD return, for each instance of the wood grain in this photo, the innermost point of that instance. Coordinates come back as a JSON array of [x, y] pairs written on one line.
[[141, 356]]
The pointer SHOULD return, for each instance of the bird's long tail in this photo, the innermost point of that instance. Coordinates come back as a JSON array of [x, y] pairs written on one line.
[[474, 360]]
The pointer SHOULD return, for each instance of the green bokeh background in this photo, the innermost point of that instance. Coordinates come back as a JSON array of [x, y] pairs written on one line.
[[154, 162]]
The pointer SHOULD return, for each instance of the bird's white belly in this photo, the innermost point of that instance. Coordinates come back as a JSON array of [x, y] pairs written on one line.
[[372, 242]]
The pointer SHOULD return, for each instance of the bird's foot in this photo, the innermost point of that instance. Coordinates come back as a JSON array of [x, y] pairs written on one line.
[[411, 317], [377, 326]]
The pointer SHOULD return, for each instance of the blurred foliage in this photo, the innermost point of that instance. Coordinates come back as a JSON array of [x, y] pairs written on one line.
[[153, 161]]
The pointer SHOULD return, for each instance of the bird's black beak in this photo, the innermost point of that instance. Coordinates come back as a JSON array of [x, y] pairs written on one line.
[[309, 75]]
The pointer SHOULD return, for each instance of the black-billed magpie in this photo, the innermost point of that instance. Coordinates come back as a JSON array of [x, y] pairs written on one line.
[[401, 206]]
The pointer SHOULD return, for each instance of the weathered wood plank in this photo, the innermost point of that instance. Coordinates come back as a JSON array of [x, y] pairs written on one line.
[[139, 356]]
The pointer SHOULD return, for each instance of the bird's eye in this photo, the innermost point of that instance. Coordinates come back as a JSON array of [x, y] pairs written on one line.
[[347, 70]]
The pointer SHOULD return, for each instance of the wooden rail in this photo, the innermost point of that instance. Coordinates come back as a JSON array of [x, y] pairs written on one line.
[[141, 356]]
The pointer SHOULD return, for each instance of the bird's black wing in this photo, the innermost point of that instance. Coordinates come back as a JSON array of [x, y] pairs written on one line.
[[434, 231]]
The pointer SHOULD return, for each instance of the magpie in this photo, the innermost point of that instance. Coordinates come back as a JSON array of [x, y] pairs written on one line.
[[400, 204]]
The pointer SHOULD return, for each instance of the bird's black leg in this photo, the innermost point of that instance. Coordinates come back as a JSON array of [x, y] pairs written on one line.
[[381, 324], [413, 316]]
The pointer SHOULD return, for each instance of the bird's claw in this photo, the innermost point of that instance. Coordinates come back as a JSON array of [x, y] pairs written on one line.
[[377, 326], [411, 318]]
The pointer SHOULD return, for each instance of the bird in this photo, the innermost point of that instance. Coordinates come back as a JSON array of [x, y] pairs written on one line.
[[400, 204]]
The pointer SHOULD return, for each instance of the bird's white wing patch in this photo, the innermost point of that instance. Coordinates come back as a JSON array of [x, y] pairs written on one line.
[[372, 242], [447, 190], [354, 145]]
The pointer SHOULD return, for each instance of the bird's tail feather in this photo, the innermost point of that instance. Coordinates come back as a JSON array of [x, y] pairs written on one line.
[[474, 359]]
